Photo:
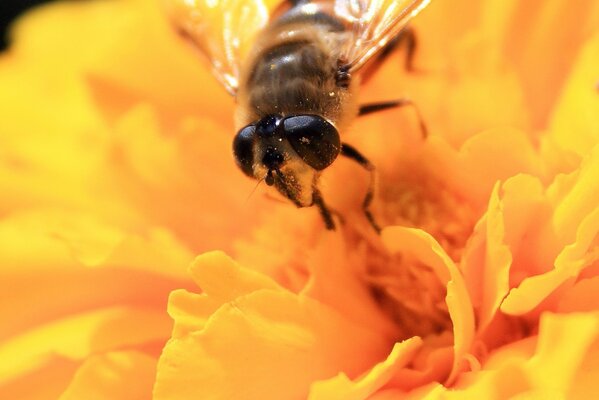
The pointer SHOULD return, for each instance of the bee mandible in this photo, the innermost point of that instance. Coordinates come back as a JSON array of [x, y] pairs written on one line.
[[295, 75]]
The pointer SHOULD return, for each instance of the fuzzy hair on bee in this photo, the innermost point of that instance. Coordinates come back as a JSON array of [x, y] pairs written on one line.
[[295, 73]]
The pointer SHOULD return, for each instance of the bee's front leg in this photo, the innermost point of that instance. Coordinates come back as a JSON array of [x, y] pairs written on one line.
[[353, 154]]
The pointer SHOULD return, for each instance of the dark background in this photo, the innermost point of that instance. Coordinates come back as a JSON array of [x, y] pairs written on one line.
[[9, 9]]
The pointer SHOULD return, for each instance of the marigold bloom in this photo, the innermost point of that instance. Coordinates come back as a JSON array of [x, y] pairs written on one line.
[[116, 173]]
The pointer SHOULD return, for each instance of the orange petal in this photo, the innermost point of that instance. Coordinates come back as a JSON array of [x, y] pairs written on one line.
[[115, 375], [539, 48], [485, 158], [581, 297], [42, 277], [427, 250], [487, 273], [337, 281], [48, 381]]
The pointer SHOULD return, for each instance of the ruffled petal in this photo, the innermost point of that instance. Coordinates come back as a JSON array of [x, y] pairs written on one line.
[[257, 330], [575, 209]]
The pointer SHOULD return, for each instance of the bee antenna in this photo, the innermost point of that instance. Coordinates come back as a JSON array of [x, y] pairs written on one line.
[[253, 190]]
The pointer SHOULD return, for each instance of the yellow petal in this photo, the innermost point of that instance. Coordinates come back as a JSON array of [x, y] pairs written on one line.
[[113, 376], [342, 388], [575, 201], [191, 311], [577, 108], [564, 341], [139, 46], [249, 336]]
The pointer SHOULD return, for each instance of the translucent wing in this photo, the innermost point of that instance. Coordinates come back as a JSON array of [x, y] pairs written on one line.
[[372, 24], [223, 30]]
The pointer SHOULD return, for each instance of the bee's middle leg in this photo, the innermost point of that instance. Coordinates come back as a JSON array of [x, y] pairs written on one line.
[[294, 3], [370, 108], [407, 38], [353, 154]]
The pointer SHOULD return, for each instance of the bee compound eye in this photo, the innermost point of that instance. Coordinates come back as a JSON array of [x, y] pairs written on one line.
[[243, 149], [314, 139]]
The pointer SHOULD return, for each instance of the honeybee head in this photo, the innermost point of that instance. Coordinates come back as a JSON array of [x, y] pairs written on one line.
[[273, 145]]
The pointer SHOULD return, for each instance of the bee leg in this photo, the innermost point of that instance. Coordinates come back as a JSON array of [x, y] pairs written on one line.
[[325, 213], [370, 108], [407, 38], [353, 154], [297, 2]]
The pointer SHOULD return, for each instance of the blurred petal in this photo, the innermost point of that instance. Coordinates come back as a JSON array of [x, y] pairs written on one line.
[[581, 297], [577, 109], [563, 344], [113, 376], [44, 276], [79, 336]]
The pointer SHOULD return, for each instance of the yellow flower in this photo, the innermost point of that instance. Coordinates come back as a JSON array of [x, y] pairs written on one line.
[[115, 172]]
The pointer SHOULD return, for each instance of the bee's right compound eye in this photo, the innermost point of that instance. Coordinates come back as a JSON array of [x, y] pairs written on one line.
[[243, 149], [314, 139]]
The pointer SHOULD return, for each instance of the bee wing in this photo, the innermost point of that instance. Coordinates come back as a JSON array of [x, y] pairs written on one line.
[[222, 30], [372, 24]]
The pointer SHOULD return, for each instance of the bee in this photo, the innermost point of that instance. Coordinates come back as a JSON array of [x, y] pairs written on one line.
[[295, 75]]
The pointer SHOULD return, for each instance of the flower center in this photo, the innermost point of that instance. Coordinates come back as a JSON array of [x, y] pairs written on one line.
[[408, 290]]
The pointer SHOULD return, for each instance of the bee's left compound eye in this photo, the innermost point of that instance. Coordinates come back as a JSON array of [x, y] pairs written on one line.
[[243, 149], [314, 139]]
